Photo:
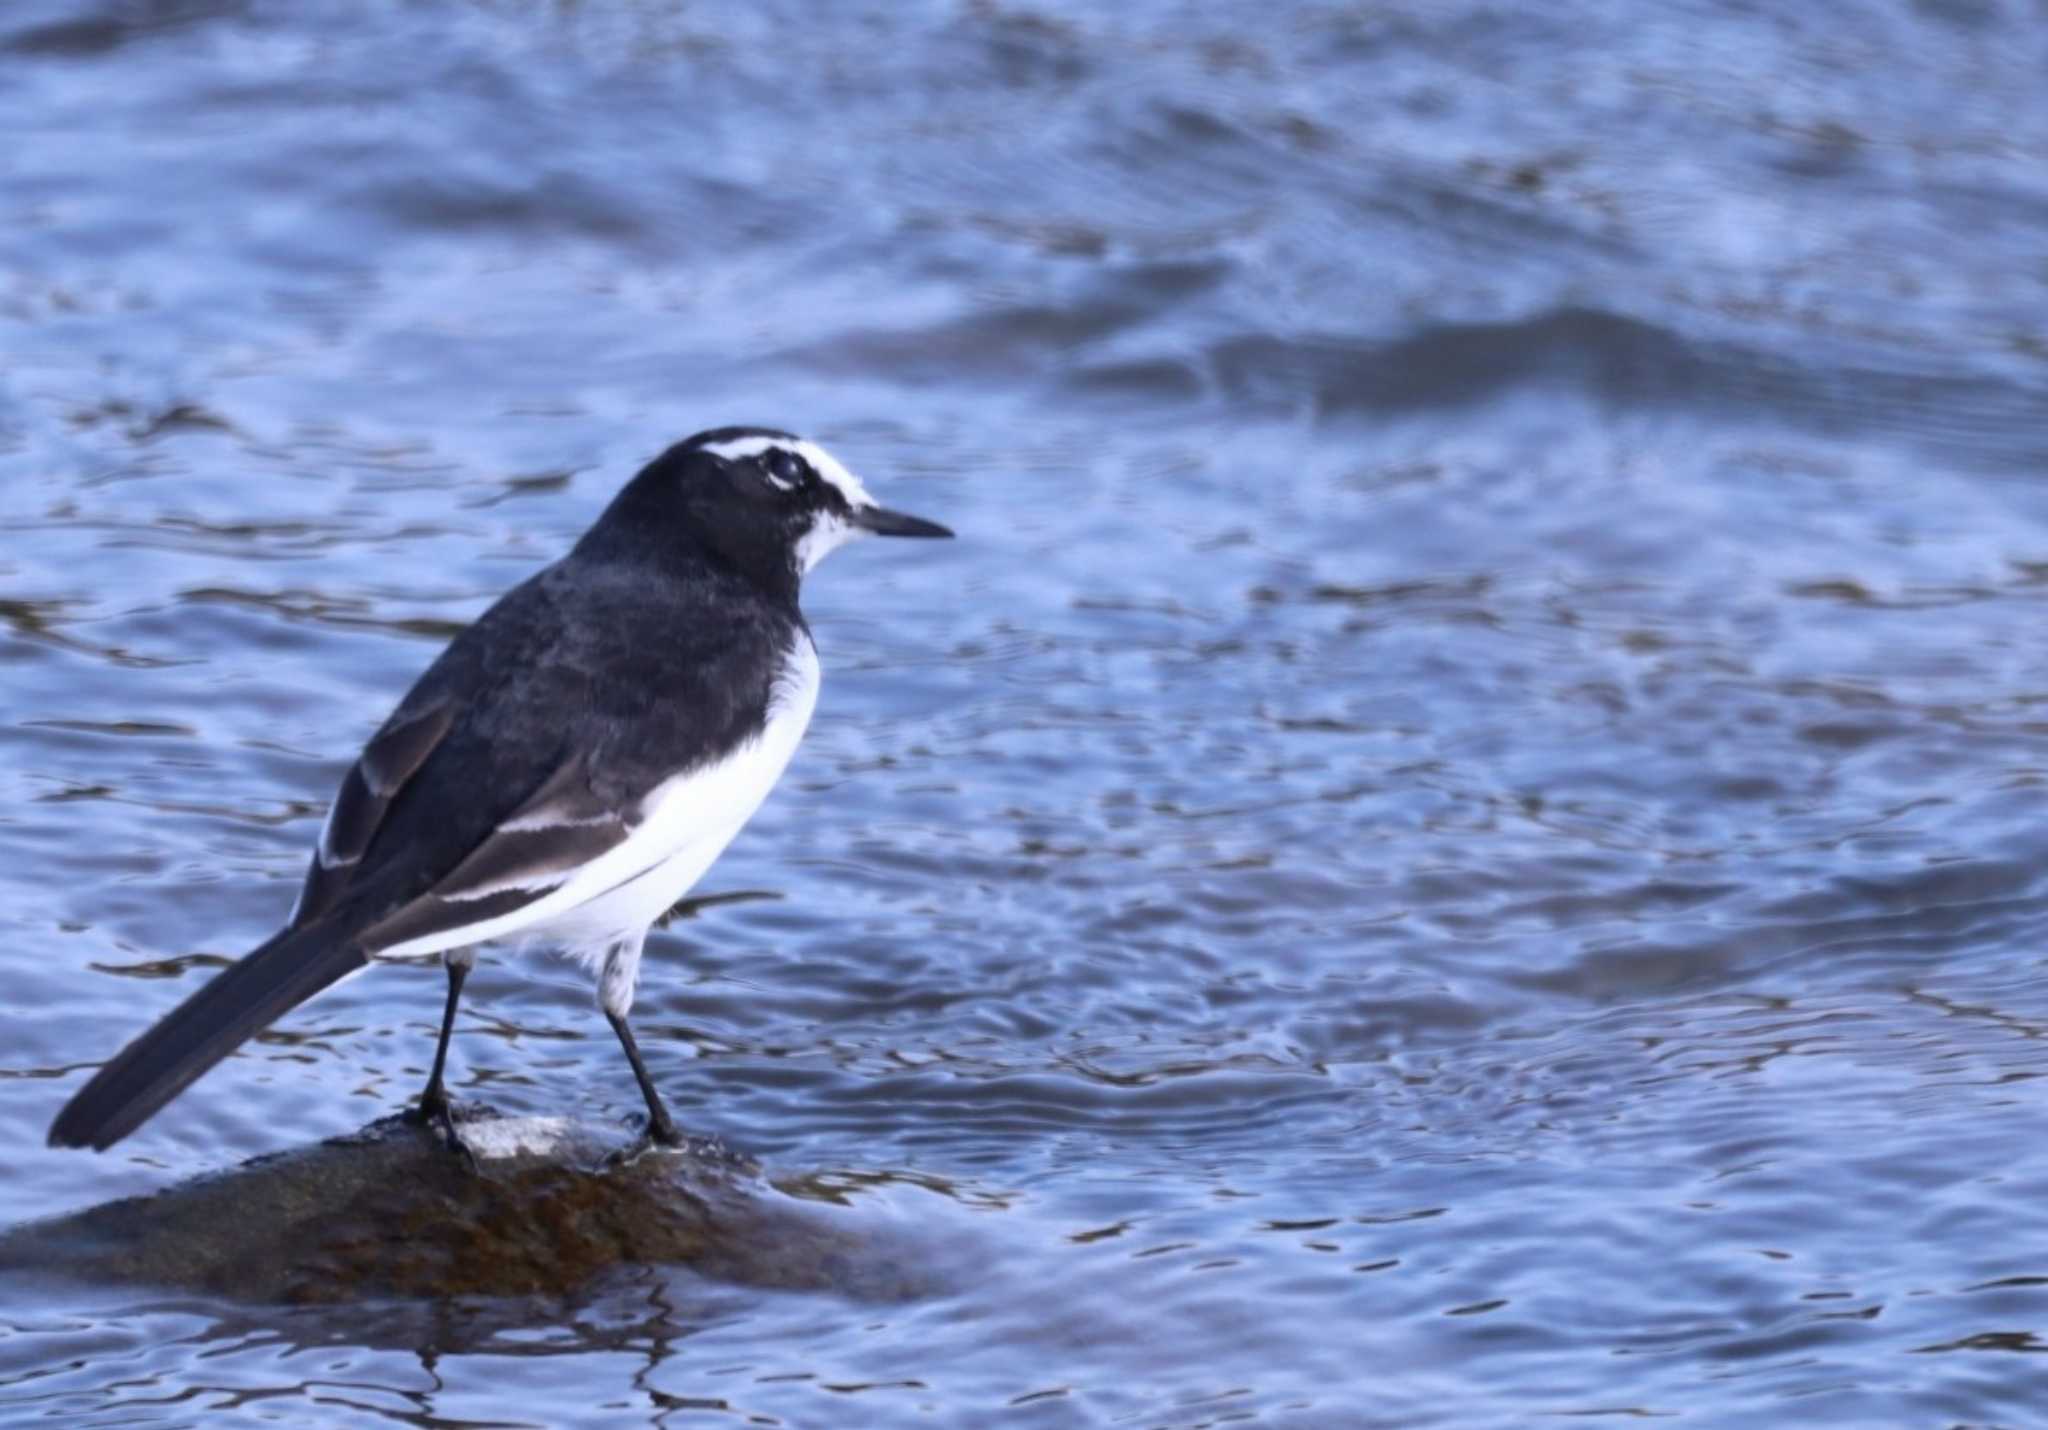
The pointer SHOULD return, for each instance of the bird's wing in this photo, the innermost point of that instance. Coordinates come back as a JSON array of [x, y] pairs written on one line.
[[565, 827], [393, 756], [598, 824], [554, 752]]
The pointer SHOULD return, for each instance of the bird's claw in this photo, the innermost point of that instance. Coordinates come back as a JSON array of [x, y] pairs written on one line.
[[437, 1114], [655, 1136]]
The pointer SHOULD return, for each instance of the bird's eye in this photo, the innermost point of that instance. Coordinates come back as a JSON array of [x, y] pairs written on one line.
[[787, 468]]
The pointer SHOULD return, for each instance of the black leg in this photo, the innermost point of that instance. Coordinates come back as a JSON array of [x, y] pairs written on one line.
[[659, 1127], [434, 1102]]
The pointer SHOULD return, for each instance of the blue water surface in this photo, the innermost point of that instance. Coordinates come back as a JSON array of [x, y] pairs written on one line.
[[1461, 839]]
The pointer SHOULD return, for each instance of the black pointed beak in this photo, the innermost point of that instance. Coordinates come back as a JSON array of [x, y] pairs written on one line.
[[883, 522]]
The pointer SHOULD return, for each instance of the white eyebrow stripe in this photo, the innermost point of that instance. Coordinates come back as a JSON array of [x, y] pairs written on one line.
[[829, 468], [826, 465], [739, 447]]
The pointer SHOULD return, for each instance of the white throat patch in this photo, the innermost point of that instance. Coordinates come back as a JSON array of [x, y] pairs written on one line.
[[826, 536]]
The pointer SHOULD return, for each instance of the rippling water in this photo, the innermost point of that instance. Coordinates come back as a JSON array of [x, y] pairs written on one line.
[[1461, 838]]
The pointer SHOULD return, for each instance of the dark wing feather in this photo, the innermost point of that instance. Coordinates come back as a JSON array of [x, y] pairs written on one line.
[[394, 754], [564, 825]]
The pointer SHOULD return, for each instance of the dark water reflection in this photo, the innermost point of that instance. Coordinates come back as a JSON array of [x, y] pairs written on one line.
[[1460, 839]]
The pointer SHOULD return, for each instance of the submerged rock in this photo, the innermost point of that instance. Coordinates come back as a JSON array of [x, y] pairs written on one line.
[[541, 1206]]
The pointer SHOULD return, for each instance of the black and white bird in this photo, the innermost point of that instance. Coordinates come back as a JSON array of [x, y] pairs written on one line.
[[564, 772]]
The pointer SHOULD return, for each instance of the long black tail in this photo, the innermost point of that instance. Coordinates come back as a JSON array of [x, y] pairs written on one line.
[[202, 1030]]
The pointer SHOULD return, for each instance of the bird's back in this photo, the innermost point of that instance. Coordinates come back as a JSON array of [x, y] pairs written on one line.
[[642, 674]]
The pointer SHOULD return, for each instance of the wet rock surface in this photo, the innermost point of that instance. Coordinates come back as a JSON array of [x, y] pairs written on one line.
[[534, 1206]]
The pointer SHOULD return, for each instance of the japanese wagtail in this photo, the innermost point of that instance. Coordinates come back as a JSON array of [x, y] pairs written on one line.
[[564, 772]]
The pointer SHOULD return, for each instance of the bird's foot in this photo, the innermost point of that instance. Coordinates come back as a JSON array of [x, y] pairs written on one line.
[[432, 1108], [657, 1135], [435, 1112]]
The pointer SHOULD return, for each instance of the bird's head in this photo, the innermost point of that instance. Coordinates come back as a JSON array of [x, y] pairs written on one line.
[[762, 497]]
